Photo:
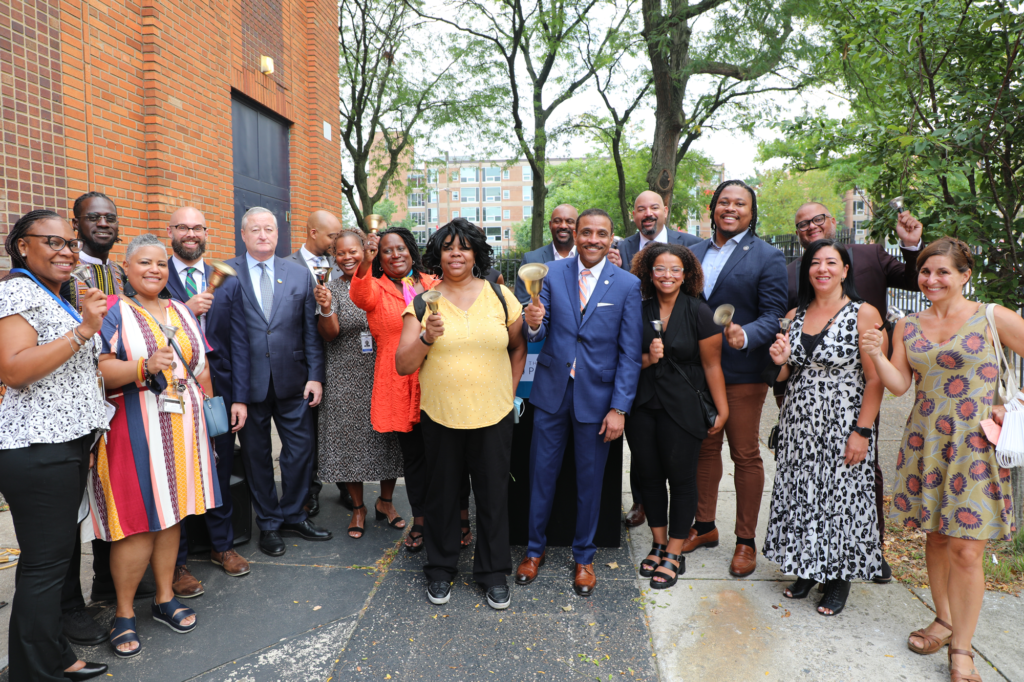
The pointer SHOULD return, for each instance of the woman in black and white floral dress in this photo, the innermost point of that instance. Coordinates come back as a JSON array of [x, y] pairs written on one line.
[[823, 526]]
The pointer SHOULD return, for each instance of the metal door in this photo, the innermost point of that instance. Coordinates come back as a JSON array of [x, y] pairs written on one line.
[[261, 168]]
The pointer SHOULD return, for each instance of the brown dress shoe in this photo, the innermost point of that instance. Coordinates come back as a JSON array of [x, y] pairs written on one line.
[[635, 516], [585, 581], [527, 571], [693, 541], [185, 585], [232, 563], [744, 561]]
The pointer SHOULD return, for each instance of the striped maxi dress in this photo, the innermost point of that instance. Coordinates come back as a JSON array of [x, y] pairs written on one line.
[[154, 468]]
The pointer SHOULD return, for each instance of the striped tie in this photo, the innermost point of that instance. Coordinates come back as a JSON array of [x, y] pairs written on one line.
[[190, 284], [584, 296], [266, 291]]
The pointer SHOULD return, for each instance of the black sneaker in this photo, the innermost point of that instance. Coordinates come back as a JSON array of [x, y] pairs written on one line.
[[885, 576], [80, 628], [439, 592], [498, 597]]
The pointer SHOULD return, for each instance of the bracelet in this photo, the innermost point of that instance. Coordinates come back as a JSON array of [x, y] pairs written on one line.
[[140, 371], [323, 314], [82, 340], [69, 339], [424, 341]]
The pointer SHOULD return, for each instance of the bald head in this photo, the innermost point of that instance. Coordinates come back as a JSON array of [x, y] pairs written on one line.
[[563, 228], [322, 228], [649, 214], [186, 228], [807, 230]]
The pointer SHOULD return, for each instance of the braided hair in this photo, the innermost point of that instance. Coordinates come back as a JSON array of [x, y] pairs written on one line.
[[957, 251], [20, 229], [753, 204], [411, 247], [76, 209]]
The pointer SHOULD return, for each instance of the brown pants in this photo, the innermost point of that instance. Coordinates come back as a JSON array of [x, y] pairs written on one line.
[[743, 429]]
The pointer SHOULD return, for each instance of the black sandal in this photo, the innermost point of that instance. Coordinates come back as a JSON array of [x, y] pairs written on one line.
[[647, 567], [800, 589], [836, 592], [465, 532], [415, 547], [356, 529], [381, 515], [676, 571]]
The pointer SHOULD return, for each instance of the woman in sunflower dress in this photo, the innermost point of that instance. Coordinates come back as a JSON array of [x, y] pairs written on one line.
[[948, 482]]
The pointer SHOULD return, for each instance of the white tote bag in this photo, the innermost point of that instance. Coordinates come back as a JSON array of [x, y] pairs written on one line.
[[1010, 446]]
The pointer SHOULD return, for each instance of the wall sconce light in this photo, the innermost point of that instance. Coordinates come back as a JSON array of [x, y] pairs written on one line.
[[266, 65]]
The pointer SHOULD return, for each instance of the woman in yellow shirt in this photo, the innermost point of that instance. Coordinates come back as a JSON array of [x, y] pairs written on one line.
[[470, 355]]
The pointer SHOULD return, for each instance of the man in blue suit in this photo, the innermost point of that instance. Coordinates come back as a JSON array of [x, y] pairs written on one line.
[[562, 245], [650, 213], [586, 378], [223, 320], [286, 373], [742, 270]]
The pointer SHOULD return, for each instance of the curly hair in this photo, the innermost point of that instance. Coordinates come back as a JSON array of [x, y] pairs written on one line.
[[643, 267], [410, 244], [20, 229], [957, 251], [470, 237], [350, 232], [753, 203], [76, 209]]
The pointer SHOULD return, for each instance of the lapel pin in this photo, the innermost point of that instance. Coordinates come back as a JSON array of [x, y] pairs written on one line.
[[280, 281], [745, 248], [606, 281]]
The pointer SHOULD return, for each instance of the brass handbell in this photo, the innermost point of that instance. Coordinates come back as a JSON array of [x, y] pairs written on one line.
[[431, 298], [723, 314], [533, 275], [221, 271], [375, 223]]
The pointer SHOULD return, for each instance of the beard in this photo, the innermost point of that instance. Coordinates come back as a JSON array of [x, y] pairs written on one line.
[[649, 230], [185, 253]]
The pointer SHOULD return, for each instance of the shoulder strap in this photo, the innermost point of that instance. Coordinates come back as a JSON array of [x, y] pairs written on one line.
[[1006, 387], [496, 288], [419, 307]]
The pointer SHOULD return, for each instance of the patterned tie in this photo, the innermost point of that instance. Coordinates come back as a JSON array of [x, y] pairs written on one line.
[[266, 292], [584, 296], [190, 284]]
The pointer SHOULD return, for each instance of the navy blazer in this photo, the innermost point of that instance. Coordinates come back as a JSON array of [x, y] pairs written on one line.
[[754, 280], [288, 347], [226, 334], [544, 254], [631, 244], [604, 342]]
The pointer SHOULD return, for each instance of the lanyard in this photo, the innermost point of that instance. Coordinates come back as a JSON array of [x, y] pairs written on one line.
[[60, 300]]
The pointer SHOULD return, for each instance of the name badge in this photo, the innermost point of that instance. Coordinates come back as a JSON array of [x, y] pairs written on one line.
[[166, 403], [366, 342]]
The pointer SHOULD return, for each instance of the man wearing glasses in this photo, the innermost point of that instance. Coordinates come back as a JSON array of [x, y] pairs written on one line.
[[223, 321], [95, 221], [873, 271]]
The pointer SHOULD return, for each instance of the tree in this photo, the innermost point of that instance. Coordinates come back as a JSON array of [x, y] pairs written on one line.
[[750, 49], [780, 194], [545, 41]]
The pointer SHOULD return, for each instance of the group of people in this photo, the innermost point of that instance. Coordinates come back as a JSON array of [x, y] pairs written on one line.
[[417, 358]]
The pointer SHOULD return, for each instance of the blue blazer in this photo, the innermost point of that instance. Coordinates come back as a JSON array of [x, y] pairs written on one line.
[[287, 347], [631, 244], [544, 254], [605, 342], [227, 335], [755, 281]]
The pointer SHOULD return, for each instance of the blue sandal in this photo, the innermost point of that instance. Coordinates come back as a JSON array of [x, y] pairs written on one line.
[[171, 614], [123, 632]]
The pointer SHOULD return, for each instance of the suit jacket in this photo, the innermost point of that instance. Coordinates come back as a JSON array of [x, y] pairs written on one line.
[[544, 254], [296, 257], [873, 271], [226, 333], [287, 347], [754, 281], [629, 246], [604, 341]]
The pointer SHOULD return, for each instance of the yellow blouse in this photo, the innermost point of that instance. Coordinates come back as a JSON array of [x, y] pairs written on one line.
[[466, 378]]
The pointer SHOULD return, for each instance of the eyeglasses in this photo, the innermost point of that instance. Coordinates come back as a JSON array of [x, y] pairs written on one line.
[[58, 243], [662, 270], [818, 220], [95, 217], [185, 229]]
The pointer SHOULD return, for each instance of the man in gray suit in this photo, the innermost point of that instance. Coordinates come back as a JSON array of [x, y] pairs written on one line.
[[286, 373], [649, 215], [563, 244]]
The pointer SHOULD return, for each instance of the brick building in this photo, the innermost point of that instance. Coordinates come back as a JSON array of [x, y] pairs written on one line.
[[165, 104]]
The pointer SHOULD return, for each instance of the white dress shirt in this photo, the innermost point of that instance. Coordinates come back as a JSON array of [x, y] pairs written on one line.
[[661, 237], [90, 260], [313, 260], [256, 272], [558, 256], [199, 277], [715, 259]]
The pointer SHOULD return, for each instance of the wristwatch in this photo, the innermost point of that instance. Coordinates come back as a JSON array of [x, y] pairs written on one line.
[[423, 340], [862, 431], [620, 412]]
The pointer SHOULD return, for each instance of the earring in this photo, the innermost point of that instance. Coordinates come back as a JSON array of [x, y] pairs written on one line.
[[24, 255], [476, 272]]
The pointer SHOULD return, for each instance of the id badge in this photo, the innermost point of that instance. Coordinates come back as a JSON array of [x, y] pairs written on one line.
[[166, 403], [366, 342]]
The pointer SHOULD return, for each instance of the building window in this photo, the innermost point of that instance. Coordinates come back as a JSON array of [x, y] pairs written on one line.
[[527, 194], [416, 199], [455, 214], [527, 174], [508, 233], [432, 197], [455, 196], [432, 177], [469, 175], [492, 214], [505, 174], [471, 214], [416, 179], [858, 207], [492, 174], [492, 194], [432, 215], [506, 194], [858, 224], [470, 195], [418, 217], [506, 215], [494, 233]]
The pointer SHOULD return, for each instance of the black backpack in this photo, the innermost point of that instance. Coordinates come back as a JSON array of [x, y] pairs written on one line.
[[419, 306]]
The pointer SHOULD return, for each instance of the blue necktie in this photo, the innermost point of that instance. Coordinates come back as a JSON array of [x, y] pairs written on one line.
[[190, 283], [266, 291]]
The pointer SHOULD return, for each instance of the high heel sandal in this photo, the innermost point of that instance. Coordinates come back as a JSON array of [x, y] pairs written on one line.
[[647, 567], [676, 571], [931, 643], [465, 531], [800, 589], [836, 593], [415, 547], [357, 529], [381, 515], [956, 675]]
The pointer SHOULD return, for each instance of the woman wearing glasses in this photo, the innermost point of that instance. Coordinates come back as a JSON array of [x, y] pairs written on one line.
[[51, 413], [666, 427]]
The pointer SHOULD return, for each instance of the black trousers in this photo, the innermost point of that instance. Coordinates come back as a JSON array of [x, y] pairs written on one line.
[[43, 484], [71, 594], [662, 450], [485, 454], [414, 464]]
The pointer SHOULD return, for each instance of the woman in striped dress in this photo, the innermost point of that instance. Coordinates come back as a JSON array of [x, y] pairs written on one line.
[[155, 466]]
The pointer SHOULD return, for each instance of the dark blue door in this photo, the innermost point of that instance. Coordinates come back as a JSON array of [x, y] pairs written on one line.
[[262, 174]]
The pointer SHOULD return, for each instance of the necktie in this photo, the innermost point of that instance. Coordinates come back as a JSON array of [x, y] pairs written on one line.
[[266, 291], [190, 284], [584, 296]]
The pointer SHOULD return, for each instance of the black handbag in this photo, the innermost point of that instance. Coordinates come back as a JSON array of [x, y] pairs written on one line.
[[707, 406]]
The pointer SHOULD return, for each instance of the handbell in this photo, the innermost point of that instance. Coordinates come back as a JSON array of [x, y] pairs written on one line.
[[375, 222], [723, 314], [82, 273], [897, 205], [784, 324], [221, 271], [894, 315], [658, 326], [322, 272], [533, 275], [431, 298]]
